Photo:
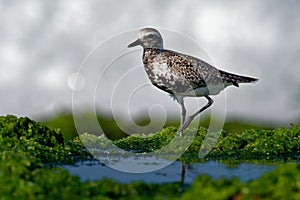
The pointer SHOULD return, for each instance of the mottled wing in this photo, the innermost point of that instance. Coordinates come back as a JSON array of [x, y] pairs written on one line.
[[196, 72]]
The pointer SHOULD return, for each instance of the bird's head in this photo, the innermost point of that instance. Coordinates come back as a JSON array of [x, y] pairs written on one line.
[[148, 38]]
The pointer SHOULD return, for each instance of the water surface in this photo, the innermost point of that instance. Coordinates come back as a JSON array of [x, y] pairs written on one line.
[[175, 172]]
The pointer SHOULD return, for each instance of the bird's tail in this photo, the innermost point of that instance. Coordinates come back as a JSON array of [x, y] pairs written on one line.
[[235, 79]]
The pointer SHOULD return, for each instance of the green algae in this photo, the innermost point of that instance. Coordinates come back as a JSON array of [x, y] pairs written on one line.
[[260, 144], [46, 145], [281, 143], [24, 134], [147, 143], [27, 148]]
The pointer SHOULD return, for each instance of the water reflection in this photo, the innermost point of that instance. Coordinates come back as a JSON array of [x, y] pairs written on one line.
[[182, 172]]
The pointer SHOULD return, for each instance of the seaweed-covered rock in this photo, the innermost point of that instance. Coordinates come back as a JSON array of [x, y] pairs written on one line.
[[281, 143], [37, 140], [24, 128]]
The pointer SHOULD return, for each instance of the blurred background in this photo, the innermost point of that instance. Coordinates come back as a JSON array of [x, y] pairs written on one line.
[[44, 43]]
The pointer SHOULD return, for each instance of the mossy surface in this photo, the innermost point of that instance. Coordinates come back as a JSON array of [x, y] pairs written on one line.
[[278, 144], [30, 152], [37, 140]]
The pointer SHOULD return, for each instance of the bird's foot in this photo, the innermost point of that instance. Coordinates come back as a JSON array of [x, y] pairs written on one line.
[[181, 133], [182, 128]]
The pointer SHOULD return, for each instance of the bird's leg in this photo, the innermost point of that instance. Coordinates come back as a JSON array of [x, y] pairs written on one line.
[[183, 113], [190, 118]]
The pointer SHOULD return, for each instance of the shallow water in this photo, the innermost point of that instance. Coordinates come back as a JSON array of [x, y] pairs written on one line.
[[175, 172]]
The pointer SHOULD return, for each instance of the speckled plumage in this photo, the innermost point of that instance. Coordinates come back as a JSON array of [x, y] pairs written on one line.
[[182, 75]]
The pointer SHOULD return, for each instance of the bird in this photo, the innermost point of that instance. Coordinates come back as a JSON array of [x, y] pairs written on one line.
[[182, 75]]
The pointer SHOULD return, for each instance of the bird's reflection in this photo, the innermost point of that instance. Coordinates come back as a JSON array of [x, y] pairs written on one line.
[[184, 166]]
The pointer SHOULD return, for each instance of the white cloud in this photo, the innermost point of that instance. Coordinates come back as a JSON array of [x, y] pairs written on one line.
[[11, 61], [42, 43], [224, 26], [52, 78]]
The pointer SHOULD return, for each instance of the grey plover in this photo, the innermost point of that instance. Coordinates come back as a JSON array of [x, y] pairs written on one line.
[[182, 75]]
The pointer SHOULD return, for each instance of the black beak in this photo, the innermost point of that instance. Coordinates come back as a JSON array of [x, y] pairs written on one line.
[[135, 43]]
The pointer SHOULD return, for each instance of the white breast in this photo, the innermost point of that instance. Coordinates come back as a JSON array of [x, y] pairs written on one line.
[[202, 91]]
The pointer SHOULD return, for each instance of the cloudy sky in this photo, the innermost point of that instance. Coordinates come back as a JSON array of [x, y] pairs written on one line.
[[44, 44]]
